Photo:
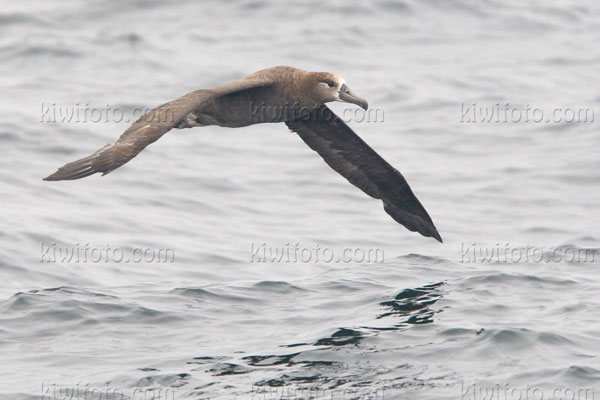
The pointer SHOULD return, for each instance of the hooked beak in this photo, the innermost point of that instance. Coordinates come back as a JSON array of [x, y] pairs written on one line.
[[348, 96]]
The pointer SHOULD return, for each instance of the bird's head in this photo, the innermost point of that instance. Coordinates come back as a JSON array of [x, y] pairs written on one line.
[[328, 87]]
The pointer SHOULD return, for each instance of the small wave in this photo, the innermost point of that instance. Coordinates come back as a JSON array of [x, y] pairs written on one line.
[[21, 396], [254, 5], [344, 337], [20, 19], [502, 278], [42, 51], [55, 308], [169, 380], [204, 294], [399, 7], [277, 286], [423, 259], [221, 369], [587, 374], [412, 306], [270, 360]]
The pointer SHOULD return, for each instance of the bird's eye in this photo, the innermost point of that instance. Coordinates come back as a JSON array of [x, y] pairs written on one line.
[[329, 83]]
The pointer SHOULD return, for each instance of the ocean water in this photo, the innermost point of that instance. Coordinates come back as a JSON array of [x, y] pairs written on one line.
[[507, 306]]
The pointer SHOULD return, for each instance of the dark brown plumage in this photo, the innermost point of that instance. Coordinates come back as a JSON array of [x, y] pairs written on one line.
[[278, 94]]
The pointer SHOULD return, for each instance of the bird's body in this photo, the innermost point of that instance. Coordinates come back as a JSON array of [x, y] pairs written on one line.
[[278, 94]]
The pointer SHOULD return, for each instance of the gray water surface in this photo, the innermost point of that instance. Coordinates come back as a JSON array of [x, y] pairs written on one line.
[[428, 321]]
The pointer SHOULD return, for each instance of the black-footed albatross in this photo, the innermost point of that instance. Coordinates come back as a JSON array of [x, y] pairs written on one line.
[[278, 94]]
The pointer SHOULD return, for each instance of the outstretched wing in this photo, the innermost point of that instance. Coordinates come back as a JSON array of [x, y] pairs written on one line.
[[351, 157], [148, 129]]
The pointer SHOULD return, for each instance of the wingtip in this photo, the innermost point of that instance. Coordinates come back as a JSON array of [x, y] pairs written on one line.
[[49, 177], [413, 222]]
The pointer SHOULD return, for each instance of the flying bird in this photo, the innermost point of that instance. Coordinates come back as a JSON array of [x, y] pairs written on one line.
[[279, 94]]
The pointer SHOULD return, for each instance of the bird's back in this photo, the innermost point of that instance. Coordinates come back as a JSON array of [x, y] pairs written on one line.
[[266, 96]]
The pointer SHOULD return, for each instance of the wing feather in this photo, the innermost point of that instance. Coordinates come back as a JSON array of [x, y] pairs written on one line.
[[148, 129], [345, 152]]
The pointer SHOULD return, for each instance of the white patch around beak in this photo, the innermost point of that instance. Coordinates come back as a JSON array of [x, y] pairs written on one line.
[[341, 83]]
